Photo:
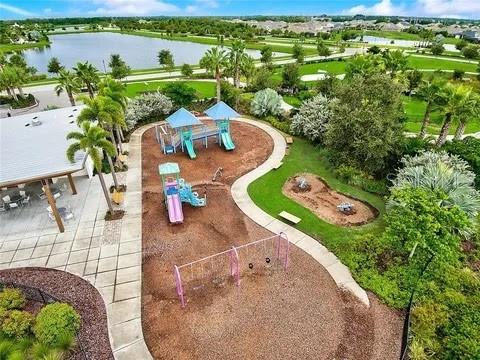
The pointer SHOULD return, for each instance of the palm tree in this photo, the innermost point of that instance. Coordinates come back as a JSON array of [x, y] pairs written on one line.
[[9, 80], [88, 75], [441, 171], [237, 57], [472, 110], [453, 101], [69, 83], [247, 67], [108, 114], [395, 61], [429, 91], [116, 91], [215, 61], [92, 140]]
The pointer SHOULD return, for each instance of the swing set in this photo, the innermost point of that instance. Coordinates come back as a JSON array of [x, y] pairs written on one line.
[[216, 269]]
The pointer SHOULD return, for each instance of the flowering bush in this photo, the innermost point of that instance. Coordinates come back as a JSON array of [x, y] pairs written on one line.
[[147, 108], [312, 118]]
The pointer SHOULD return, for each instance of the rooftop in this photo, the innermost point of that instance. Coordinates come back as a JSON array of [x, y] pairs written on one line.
[[182, 118], [221, 111], [33, 146]]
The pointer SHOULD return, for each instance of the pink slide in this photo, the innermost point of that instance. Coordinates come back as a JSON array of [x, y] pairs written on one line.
[[175, 213]]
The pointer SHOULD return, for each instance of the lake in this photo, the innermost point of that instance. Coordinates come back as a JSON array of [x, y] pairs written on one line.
[[139, 52]]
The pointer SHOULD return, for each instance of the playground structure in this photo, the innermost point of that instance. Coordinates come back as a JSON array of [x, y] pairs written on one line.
[[230, 264], [176, 192], [182, 129]]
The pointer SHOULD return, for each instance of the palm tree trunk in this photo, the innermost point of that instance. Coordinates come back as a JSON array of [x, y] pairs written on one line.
[[105, 192], [15, 97], [444, 132], [90, 90], [120, 133], [9, 92], [236, 80], [460, 130], [112, 169], [70, 97], [217, 77], [20, 91], [114, 141], [426, 120]]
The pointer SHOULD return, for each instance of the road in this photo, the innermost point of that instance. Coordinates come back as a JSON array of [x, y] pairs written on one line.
[[176, 74]]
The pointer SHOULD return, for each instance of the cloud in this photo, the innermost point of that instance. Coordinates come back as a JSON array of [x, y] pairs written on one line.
[[434, 8], [16, 10], [384, 7], [133, 7], [453, 8]]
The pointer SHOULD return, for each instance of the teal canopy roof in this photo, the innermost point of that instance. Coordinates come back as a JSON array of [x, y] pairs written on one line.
[[221, 111], [168, 168], [182, 118]]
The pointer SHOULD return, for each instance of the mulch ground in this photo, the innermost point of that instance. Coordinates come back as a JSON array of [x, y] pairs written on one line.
[[93, 333], [323, 200], [295, 314]]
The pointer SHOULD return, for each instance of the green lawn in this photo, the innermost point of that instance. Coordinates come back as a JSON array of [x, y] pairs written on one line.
[[292, 100], [16, 47], [266, 192], [334, 67], [440, 64], [205, 89], [415, 110]]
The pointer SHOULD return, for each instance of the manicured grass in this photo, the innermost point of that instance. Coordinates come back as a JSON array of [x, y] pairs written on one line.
[[440, 64], [334, 67], [213, 41], [17, 47], [266, 192], [205, 89], [415, 110], [292, 100]]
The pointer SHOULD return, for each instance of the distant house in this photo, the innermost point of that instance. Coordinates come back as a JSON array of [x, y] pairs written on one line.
[[471, 35], [34, 35]]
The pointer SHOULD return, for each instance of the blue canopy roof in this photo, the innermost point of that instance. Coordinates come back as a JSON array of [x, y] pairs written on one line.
[[181, 118], [221, 111], [168, 168]]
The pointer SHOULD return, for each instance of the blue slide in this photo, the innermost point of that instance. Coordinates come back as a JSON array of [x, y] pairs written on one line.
[[227, 141], [189, 146]]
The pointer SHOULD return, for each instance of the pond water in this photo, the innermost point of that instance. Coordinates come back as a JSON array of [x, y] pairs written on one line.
[[139, 52], [375, 40]]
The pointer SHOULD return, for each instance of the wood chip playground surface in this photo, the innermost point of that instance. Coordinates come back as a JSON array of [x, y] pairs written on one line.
[[295, 314]]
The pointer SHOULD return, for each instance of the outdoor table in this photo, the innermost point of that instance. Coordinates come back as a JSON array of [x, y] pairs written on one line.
[[16, 198]]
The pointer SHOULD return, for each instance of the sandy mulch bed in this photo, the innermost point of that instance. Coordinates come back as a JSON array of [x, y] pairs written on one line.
[[79, 293], [297, 314], [323, 201]]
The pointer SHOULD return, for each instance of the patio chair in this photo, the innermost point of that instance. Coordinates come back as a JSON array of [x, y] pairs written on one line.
[[3, 207], [25, 201], [22, 193], [6, 199], [13, 205]]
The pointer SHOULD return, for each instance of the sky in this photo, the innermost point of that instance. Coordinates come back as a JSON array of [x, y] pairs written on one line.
[[20, 9]]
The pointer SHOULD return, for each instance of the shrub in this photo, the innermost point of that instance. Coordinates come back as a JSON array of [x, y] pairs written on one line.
[[458, 74], [312, 119], [470, 51], [437, 49], [12, 299], [280, 125], [358, 178], [440, 171], [469, 150], [180, 93], [147, 108], [187, 70], [229, 93], [266, 102], [17, 324], [365, 129], [55, 322]]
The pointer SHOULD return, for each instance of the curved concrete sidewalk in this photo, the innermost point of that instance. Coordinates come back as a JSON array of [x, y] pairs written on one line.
[[339, 272]]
